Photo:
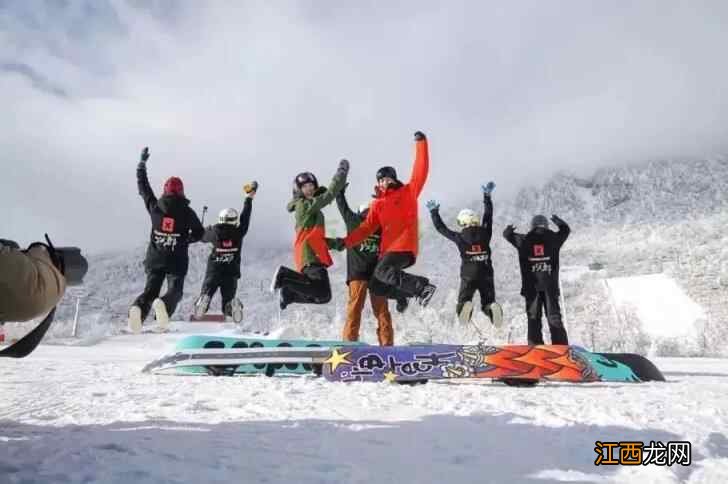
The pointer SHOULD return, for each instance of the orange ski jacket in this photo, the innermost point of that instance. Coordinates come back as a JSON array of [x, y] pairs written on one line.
[[394, 211]]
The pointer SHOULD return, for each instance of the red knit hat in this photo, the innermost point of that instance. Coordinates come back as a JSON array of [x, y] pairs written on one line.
[[174, 186]]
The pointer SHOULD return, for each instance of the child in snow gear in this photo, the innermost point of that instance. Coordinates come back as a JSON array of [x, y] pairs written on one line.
[[223, 264], [309, 283], [360, 263], [476, 269], [538, 256], [174, 226], [394, 212]]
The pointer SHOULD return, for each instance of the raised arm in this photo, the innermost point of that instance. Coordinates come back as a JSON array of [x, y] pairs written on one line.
[[564, 229], [421, 167], [250, 190], [320, 201], [349, 216], [515, 239], [197, 231], [145, 189], [440, 226]]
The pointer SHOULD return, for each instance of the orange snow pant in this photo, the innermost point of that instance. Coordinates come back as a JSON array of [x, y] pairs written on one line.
[[380, 308]]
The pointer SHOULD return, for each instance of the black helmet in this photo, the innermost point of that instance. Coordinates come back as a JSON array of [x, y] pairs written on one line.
[[539, 221], [386, 172], [305, 177]]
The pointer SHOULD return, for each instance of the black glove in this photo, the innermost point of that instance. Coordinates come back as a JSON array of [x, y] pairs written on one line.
[[336, 244], [145, 155], [343, 168], [509, 230], [9, 243], [556, 220], [419, 136]]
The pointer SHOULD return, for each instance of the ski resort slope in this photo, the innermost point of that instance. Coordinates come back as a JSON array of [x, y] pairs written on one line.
[[87, 414]]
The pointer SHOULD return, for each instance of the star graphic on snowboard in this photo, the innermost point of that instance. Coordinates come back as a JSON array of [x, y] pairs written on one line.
[[337, 359], [390, 376]]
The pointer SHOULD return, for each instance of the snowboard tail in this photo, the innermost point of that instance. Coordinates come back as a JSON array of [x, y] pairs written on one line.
[[511, 364]]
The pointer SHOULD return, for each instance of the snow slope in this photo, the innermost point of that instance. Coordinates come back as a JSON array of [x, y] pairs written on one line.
[[87, 414]]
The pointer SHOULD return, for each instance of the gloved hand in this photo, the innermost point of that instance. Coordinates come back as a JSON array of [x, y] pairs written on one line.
[[556, 220], [432, 205], [249, 189], [336, 243], [145, 155], [343, 168], [488, 188], [420, 136], [509, 230]]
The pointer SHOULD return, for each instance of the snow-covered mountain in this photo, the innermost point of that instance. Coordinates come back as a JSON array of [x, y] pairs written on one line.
[[656, 218]]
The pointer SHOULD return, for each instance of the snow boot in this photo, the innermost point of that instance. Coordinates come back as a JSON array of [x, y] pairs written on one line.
[[160, 313], [201, 306], [135, 319]]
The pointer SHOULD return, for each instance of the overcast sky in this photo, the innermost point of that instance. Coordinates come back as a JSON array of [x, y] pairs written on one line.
[[225, 92]]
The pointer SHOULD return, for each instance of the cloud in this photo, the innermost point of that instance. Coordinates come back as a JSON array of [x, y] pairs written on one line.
[[228, 92]]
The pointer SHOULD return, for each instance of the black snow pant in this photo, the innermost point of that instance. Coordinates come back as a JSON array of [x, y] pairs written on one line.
[[390, 280], [228, 285], [310, 286], [485, 287], [175, 287], [535, 304]]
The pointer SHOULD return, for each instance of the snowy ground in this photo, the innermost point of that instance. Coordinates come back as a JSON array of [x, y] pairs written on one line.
[[87, 414]]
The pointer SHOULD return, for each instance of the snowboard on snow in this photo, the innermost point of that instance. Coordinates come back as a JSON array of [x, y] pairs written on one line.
[[518, 365], [230, 355]]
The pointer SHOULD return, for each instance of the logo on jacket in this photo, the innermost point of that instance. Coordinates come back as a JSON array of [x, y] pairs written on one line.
[[167, 224], [538, 250], [227, 243]]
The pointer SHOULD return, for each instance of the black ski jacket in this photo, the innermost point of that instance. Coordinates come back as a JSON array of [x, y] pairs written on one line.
[[538, 256], [227, 241], [361, 259], [472, 242], [174, 226]]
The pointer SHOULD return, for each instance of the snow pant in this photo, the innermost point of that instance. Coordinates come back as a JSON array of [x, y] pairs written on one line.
[[175, 287], [535, 304], [485, 288], [30, 285], [357, 297], [228, 285], [310, 286], [390, 280]]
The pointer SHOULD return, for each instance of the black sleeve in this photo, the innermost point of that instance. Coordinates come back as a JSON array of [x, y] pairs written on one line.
[[488, 215], [145, 189], [563, 233], [441, 227], [346, 213], [245, 216], [197, 231], [210, 235], [515, 239]]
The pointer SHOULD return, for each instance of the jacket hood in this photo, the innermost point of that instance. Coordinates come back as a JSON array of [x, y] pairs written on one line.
[[172, 203]]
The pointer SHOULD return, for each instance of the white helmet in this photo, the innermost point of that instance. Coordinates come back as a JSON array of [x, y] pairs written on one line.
[[228, 216], [468, 218]]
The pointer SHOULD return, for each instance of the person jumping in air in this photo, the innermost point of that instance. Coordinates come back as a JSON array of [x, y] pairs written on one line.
[[174, 226], [360, 263], [223, 265], [538, 256], [309, 283], [394, 212], [476, 268]]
